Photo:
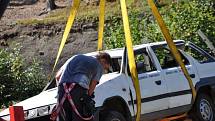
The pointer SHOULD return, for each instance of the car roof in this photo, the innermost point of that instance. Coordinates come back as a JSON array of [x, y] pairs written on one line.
[[118, 52]]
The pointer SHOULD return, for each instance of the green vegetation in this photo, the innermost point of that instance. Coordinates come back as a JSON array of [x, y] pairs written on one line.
[[17, 80], [183, 20], [186, 18]]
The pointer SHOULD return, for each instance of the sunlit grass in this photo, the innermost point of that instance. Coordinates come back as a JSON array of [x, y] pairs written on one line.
[[88, 13], [91, 12]]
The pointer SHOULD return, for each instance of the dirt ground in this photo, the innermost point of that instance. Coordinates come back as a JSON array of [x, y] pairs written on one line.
[[42, 41], [19, 12]]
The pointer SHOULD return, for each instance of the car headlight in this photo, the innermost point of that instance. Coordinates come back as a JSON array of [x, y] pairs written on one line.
[[32, 113], [43, 110], [40, 111]]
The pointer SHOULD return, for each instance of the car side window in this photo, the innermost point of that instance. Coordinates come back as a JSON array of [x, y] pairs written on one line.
[[116, 64], [144, 63], [166, 58], [200, 57]]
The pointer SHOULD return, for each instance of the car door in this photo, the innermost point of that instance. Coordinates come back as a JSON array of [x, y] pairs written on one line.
[[179, 92], [152, 83], [204, 62]]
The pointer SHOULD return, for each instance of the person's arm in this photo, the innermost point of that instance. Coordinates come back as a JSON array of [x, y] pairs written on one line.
[[92, 87], [58, 75], [95, 80]]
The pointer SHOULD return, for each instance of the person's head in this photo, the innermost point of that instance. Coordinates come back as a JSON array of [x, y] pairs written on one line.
[[104, 59]]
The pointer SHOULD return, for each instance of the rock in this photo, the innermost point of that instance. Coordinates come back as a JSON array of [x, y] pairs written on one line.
[[92, 2], [48, 33], [111, 0], [41, 53], [87, 26], [3, 43], [22, 2], [8, 34]]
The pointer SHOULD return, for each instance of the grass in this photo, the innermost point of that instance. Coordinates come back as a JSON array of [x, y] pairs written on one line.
[[54, 17], [84, 13], [90, 13]]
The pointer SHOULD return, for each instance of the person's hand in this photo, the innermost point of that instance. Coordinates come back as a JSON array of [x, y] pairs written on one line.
[[88, 105], [93, 95]]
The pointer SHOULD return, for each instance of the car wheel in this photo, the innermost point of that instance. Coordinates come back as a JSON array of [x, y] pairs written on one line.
[[204, 108], [114, 116]]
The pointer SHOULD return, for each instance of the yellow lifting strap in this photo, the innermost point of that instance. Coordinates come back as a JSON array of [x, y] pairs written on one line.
[[131, 59], [132, 64], [172, 46], [69, 24], [101, 23]]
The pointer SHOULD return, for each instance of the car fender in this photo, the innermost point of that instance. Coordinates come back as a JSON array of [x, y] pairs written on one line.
[[112, 87]]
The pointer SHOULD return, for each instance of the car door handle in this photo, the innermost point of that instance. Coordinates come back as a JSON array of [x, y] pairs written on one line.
[[158, 82], [192, 75]]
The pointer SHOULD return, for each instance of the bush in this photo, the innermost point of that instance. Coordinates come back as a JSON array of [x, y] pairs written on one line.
[[18, 80], [186, 18], [183, 19]]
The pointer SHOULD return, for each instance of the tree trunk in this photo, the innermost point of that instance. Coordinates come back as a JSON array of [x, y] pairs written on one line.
[[3, 6], [50, 5]]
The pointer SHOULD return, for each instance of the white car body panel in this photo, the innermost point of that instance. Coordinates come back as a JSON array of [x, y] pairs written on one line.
[[113, 87]]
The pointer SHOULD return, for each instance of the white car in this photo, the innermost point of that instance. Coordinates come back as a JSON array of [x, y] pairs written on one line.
[[164, 89]]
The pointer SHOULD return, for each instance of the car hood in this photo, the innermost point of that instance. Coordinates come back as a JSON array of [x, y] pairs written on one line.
[[45, 98], [107, 77], [49, 97]]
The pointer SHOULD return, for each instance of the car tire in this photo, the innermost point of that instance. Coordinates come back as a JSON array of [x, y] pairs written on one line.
[[203, 108], [114, 116]]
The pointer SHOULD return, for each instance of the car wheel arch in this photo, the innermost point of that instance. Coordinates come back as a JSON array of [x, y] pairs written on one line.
[[115, 103], [207, 89], [203, 102]]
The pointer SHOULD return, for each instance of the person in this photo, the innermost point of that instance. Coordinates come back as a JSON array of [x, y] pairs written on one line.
[[84, 72]]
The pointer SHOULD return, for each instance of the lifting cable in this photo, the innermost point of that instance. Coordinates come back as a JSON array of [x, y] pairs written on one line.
[[101, 23], [131, 60], [174, 52], [129, 46], [69, 24], [172, 46]]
